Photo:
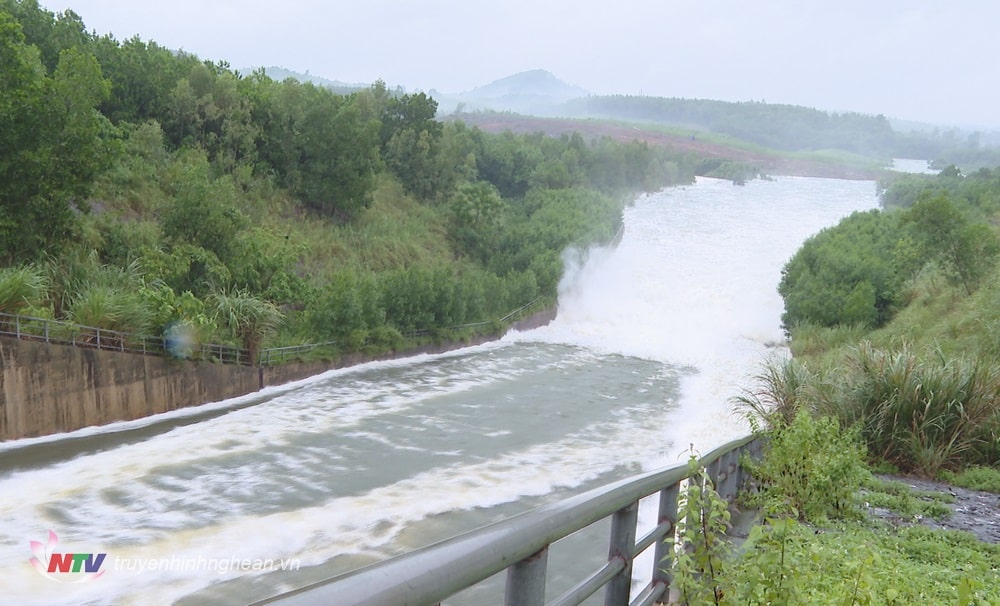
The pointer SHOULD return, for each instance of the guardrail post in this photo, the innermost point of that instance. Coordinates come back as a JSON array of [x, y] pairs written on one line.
[[663, 555], [526, 581], [712, 470], [623, 524], [729, 476]]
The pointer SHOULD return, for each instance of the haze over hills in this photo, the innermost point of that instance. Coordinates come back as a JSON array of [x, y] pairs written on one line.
[[537, 92], [532, 92], [540, 93], [280, 74]]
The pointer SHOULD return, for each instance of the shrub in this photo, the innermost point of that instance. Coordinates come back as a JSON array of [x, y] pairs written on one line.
[[21, 288], [702, 520], [811, 470], [847, 274], [922, 415]]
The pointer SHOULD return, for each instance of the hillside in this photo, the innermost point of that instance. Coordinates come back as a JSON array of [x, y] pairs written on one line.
[[685, 141], [144, 189]]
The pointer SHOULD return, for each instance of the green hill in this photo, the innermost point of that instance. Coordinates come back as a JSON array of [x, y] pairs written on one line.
[[143, 187]]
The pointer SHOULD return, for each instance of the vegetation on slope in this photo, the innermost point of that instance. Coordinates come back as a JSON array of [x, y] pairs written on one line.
[[891, 316], [142, 187], [793, 128]]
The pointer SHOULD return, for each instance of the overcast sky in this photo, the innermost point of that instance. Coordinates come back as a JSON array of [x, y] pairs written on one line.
[[924, 60]]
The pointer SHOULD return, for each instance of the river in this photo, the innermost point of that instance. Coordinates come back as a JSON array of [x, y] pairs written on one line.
[[651, 341]]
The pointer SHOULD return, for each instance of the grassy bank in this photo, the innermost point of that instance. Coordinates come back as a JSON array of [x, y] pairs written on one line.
[[893, 322]]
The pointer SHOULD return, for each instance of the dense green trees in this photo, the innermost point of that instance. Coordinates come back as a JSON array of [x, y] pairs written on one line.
[[55, 143], [779, 126], [844, 274], [153, 187], [856, 273]]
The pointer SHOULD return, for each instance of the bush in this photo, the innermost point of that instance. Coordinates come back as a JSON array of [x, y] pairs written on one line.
[[922, 416], [847, 274], [811, 470]]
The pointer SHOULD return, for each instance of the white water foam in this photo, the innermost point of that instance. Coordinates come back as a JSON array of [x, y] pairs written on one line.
[[692, 283]]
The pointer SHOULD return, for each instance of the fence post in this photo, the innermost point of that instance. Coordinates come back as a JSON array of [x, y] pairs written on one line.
[[663, 555], [623, 524], [728, 484], [526, 581]]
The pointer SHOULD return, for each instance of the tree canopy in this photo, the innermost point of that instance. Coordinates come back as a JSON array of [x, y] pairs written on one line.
[[857, 272], [356, 217]]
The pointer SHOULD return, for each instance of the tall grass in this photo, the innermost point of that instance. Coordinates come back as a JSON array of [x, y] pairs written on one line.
[[111, 308], [782, 387], [812, 339], [250, 318], [922, 414], [22, 287]]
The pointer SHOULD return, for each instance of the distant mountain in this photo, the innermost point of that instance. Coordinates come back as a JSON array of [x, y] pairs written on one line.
[[536, 83], [279, 74], [532, 92]]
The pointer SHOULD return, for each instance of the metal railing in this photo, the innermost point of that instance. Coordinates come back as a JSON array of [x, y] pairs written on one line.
[[520, 546], [274, 356], [90, 337]]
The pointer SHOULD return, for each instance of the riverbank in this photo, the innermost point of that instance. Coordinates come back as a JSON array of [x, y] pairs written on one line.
[[48, 389]]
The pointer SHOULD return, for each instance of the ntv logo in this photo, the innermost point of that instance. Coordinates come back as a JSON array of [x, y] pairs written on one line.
[[82, 566]]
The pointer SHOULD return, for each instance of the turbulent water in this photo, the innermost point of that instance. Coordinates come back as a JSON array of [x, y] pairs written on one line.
[[651, 340]]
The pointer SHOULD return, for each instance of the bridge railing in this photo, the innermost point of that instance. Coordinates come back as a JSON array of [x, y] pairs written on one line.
[[520, 546]]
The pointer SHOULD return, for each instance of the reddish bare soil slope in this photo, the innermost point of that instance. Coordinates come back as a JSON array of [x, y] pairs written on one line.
[[768, 163]]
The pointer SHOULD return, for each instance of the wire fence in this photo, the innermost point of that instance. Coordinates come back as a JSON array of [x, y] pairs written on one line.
[[60, 332], [29, 328]]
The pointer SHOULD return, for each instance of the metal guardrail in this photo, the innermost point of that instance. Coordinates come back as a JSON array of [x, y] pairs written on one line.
[[520, 309], [520, 546], [90, 337], [273, 356]]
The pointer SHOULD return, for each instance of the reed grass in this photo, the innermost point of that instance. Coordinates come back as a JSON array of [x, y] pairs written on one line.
[[780, 390], [920, 413], [21, 288]]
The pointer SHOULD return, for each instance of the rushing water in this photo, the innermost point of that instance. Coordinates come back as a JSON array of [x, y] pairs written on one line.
[[651, 340]]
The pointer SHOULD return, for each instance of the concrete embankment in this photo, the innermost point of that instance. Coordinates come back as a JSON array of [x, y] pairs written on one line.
[[47, 389]]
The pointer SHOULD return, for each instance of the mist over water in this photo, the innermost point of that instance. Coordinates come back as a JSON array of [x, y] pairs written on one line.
[[694, 283], [651, 340]]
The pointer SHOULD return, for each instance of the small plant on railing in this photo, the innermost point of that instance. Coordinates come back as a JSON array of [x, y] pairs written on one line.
[[764, 573], [701, 546]]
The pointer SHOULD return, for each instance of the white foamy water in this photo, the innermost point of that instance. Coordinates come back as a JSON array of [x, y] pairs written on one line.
[[651, 341]]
